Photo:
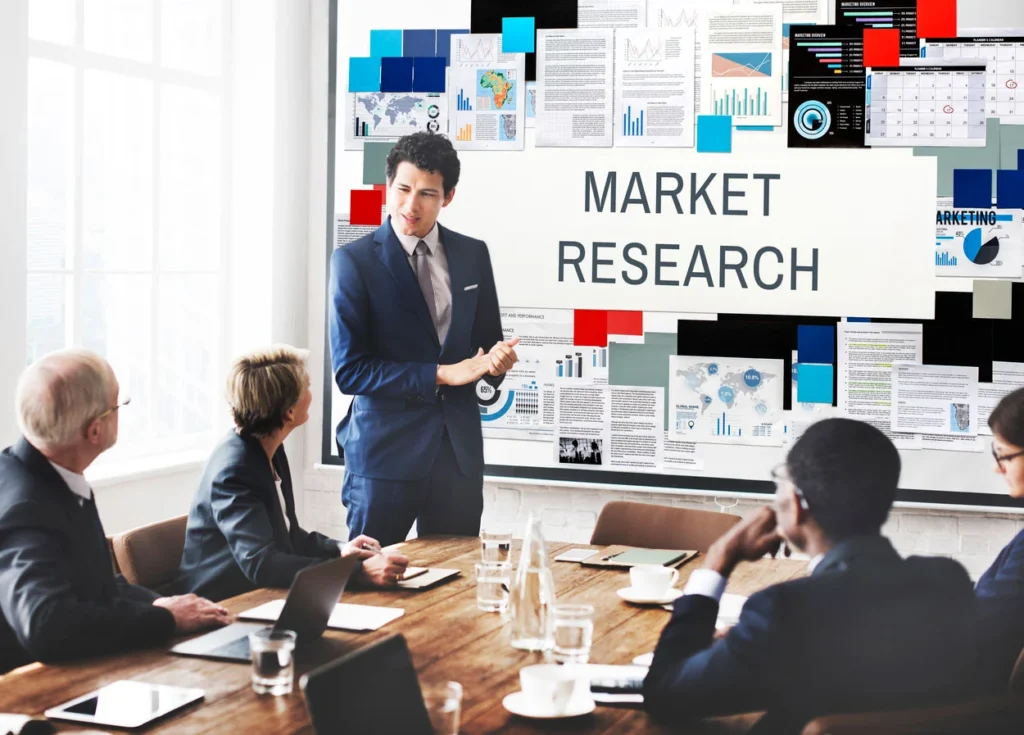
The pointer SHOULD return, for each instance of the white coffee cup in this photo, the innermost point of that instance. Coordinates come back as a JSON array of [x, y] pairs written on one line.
[[550, 688], [652, 580]]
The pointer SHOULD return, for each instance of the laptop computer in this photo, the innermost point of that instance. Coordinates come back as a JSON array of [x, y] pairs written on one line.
[[311, 600], [374, 689]]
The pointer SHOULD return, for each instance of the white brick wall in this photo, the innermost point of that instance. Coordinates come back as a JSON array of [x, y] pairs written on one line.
[[973, 539]]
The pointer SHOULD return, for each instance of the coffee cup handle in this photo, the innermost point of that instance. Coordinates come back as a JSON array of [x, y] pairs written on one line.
[[675, 578]]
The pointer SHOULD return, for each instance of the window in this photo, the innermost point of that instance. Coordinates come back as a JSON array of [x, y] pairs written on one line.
[[128, 182]]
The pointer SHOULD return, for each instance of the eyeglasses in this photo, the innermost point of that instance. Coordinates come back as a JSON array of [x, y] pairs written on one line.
[[1000, 458], [120, 402], [781, 477]]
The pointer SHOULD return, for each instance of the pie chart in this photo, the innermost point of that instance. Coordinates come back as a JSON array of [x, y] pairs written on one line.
[[977, 252]]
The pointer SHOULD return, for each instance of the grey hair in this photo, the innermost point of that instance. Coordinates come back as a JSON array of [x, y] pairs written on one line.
[[60, 393]]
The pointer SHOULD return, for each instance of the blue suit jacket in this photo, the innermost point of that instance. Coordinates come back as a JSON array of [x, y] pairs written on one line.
[[867, 631], [236, 539], [1000, 602], [385, 352]]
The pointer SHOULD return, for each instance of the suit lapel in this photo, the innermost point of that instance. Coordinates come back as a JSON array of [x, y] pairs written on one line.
[[390, 251], [460, 276]]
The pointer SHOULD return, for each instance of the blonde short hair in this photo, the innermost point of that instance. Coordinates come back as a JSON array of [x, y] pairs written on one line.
[[263, 385], [60, 394]]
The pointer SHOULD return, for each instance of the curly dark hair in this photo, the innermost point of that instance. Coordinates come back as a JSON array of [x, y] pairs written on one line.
[[427, 152]]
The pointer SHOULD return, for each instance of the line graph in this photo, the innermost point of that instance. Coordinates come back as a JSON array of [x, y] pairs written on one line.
[[741, 65], [650, 51], [481, 49], [667, 20]]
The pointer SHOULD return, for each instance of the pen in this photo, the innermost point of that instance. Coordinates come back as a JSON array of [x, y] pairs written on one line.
[[612, 556]]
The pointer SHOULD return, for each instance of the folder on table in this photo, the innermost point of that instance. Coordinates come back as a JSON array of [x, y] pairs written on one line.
[[624, 557]]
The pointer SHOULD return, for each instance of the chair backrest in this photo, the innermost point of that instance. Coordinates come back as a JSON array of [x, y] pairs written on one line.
[[374, 689], [149, 555], [649, 526]]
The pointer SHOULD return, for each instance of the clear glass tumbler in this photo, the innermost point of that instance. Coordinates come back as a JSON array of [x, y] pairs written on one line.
[[444, 705], [273, 662], [573, 633], [496, 545], [492, 585]]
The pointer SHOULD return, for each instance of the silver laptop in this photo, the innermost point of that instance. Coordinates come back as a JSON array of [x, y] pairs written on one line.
[[311, 600]]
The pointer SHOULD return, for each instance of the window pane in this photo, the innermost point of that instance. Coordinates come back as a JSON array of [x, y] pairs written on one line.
[[48, 296], [51, 107], [116, 323], [117, 172], [120, 28], [190, 179], [52, 20], [190, 33], [188, 391]]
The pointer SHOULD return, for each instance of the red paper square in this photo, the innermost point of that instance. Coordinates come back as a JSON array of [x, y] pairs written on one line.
[[365, 207], [936, 19], [881, 47], [626, 322], [380, 187], [590, 328]]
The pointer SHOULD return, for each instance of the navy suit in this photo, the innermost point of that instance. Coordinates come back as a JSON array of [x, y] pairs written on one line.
[[1000, 602], [59, 598], [866, 631], [236, 540], [413, 450]]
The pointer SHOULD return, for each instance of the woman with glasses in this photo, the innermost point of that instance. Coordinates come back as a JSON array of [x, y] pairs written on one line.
[[1000, 591]]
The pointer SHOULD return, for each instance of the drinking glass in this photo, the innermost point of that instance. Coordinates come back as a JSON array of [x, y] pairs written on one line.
[[496, 545], [273, 664], [492, 585], [444, 705], [573, 633]]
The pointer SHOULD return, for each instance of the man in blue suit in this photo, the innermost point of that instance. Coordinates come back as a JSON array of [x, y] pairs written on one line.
[[867, 630], [413, 309]]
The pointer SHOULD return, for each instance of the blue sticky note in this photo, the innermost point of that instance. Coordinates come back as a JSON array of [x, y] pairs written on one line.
[[815, 344], [517, 35], [814, 383], [853, 319], [385, 43], [417, 42], [1010, 189], [714, 133], [395, 74], [363, 74], [427, 74], [972, 188], [444, 42]]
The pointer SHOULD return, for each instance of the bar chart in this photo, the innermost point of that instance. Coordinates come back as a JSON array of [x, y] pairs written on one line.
[[901, 14], [465, 132], [600, 357], [571, 366], [724, 428], [740, 102], [828, 53], [632, 125], [945, 259], [362, 128], [464, 103]]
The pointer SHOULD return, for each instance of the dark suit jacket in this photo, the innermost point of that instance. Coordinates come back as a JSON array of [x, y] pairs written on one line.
[[236, 540], [59, 597], [867, 630], [385, 352], [1000, 602]]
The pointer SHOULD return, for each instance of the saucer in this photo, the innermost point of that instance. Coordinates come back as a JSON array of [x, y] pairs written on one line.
[[518, 704], [631, 595]]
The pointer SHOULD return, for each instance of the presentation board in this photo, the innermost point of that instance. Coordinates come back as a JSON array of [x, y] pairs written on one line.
[[753, 244]]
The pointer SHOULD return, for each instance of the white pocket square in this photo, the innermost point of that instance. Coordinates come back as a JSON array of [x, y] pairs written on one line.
[[470, 288]]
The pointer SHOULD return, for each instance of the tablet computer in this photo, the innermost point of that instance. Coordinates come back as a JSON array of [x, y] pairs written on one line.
[[126, 704]]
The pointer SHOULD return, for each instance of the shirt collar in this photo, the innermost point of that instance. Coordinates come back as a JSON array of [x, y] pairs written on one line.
[[409, 242], [76, 482], [813, 563]]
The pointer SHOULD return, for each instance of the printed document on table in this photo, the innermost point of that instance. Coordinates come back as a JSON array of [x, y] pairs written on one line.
[[678, 14], [795, 12], [654, 81], [978, 243], [486, 94], [1006, 378], [610, 14], [726, 400], [866, 353], [531, 104], [741, 72], [574, 87], [609, 427], [934, 399]]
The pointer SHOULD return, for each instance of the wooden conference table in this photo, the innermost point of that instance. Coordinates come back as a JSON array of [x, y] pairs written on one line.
[[449, 638]]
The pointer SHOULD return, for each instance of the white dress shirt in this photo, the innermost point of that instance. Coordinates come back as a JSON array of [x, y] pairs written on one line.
[[78, 484], [709, 583], [439, 276], [284, 507]]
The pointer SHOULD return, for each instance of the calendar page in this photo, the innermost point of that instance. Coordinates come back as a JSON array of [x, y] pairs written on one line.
[[926, 105], [1005, 59]]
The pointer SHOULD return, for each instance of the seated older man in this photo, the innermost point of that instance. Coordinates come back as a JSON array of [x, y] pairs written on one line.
[[59, 597]]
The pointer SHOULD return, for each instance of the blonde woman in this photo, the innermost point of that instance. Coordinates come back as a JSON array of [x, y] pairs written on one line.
[[242, 529]]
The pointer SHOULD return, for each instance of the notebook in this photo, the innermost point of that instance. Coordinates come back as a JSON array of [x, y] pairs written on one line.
[[344, 617], [624, 557], [427, 579]]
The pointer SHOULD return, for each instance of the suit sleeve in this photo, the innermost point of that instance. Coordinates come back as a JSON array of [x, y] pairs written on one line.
[[694, 676], [128, 591], [487, 329], [242, 517], [38, 600], [1004, 580], [311, 543], [357, 371]]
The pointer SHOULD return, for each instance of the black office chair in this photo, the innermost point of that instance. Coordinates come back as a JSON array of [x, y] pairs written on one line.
[[374, 689]]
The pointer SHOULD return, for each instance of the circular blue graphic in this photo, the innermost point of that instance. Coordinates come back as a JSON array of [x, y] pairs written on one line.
[[761, 408], [693, 381], [812, 119], [978, 253], [726, 394], [752, 378], [713, 369], [706, 399]]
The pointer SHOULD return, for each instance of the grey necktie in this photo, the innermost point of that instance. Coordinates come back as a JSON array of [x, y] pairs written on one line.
[[422, 258]]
